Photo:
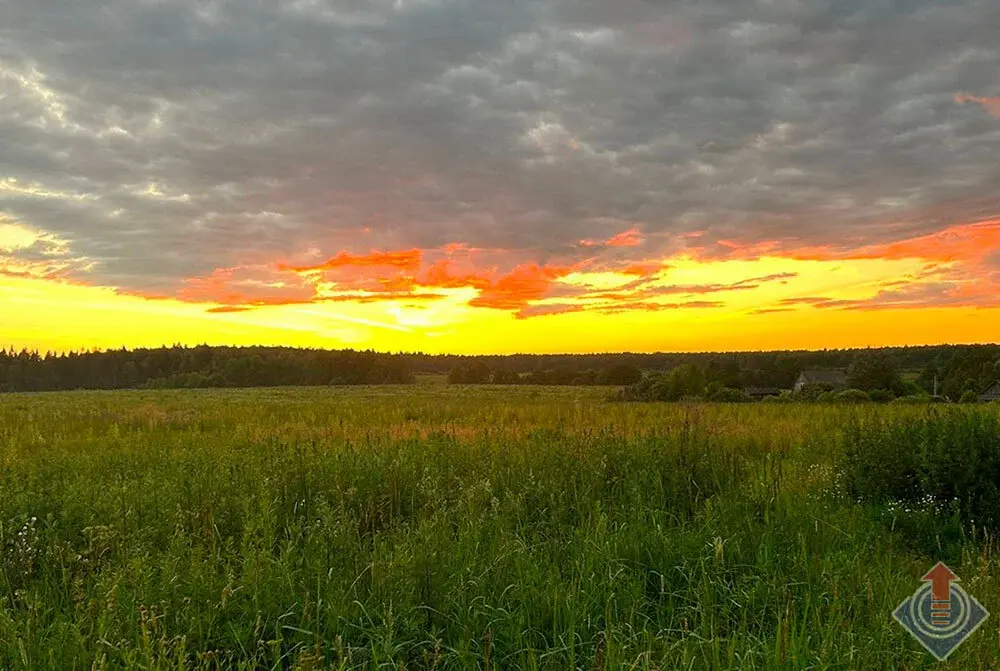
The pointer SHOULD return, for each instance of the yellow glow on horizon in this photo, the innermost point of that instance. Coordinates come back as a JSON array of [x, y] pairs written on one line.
[[51, 315]]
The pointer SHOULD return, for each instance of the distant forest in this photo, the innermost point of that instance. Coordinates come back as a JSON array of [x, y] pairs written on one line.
[[957, 368]]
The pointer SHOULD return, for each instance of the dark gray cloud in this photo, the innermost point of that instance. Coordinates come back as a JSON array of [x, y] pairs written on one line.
[[162, 140]]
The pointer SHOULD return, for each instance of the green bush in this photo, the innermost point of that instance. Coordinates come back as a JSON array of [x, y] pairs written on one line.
[[947, 458], [881, 395], [853, 396], [914, 399], [729, 395], [969, 397], [827, 397], [684, 383], [813, 390]]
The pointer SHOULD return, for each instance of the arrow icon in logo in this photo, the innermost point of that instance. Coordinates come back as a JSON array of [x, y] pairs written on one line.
[[940, 578]]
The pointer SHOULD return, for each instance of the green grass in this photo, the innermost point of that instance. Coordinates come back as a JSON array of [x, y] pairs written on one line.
[[434, 527]]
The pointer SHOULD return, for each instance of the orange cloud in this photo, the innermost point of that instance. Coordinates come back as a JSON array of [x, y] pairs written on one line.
[[397, 276], [950, 269], [246, 286], [630, 238], [966, 242], [527, 282], [379, 276], [643, 269], [992, 104], [441, 275], [961, 242], [408, 260]]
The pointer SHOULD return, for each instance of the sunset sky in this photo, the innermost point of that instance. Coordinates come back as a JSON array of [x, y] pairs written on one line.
[[482, 176]]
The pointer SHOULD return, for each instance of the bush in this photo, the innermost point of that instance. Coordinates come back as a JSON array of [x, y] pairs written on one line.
[[881, 395], [783, 398], [729, 395], [853, 396], [812, 391], [969, 397], [681, 384], [652, 387], [827, 397], [914, 399], [947, 459]]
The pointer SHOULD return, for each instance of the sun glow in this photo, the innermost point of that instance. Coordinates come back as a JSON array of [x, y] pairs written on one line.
[[681, 303]]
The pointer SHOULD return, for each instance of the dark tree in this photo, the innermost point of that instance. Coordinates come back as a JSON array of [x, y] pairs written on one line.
[[621, 374], [198, 367], [874, 369]]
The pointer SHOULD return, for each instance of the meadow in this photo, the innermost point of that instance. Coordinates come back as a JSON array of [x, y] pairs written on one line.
[[441, 527]]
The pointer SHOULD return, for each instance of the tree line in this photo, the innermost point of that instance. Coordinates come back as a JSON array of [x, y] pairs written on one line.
[[950, 371], [202, 366], [958, 374], [957, 369]]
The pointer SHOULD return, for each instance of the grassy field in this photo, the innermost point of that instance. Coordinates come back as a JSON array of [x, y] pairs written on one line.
[[435, 527]]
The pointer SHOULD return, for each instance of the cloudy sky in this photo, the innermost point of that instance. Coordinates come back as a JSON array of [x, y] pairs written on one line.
[[476, 175]]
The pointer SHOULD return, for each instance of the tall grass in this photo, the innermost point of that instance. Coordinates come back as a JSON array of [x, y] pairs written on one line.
[[414, 528]]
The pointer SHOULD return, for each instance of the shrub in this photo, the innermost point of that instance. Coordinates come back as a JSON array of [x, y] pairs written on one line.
[[947, 458], [729, 395], [681, 384], [652, 387], [969, 397], [827, 397], [853, 396], [812, 391], [881, 395], [914, 399]]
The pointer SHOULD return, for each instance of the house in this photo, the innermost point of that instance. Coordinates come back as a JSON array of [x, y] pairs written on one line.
[[835, 379], [758, 393], [992, 393]]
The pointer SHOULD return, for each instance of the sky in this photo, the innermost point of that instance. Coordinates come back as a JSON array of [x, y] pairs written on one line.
[[477, 176]]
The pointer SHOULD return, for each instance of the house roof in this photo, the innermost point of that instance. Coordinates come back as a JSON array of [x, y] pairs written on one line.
[[992, 387], [824, 377]]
